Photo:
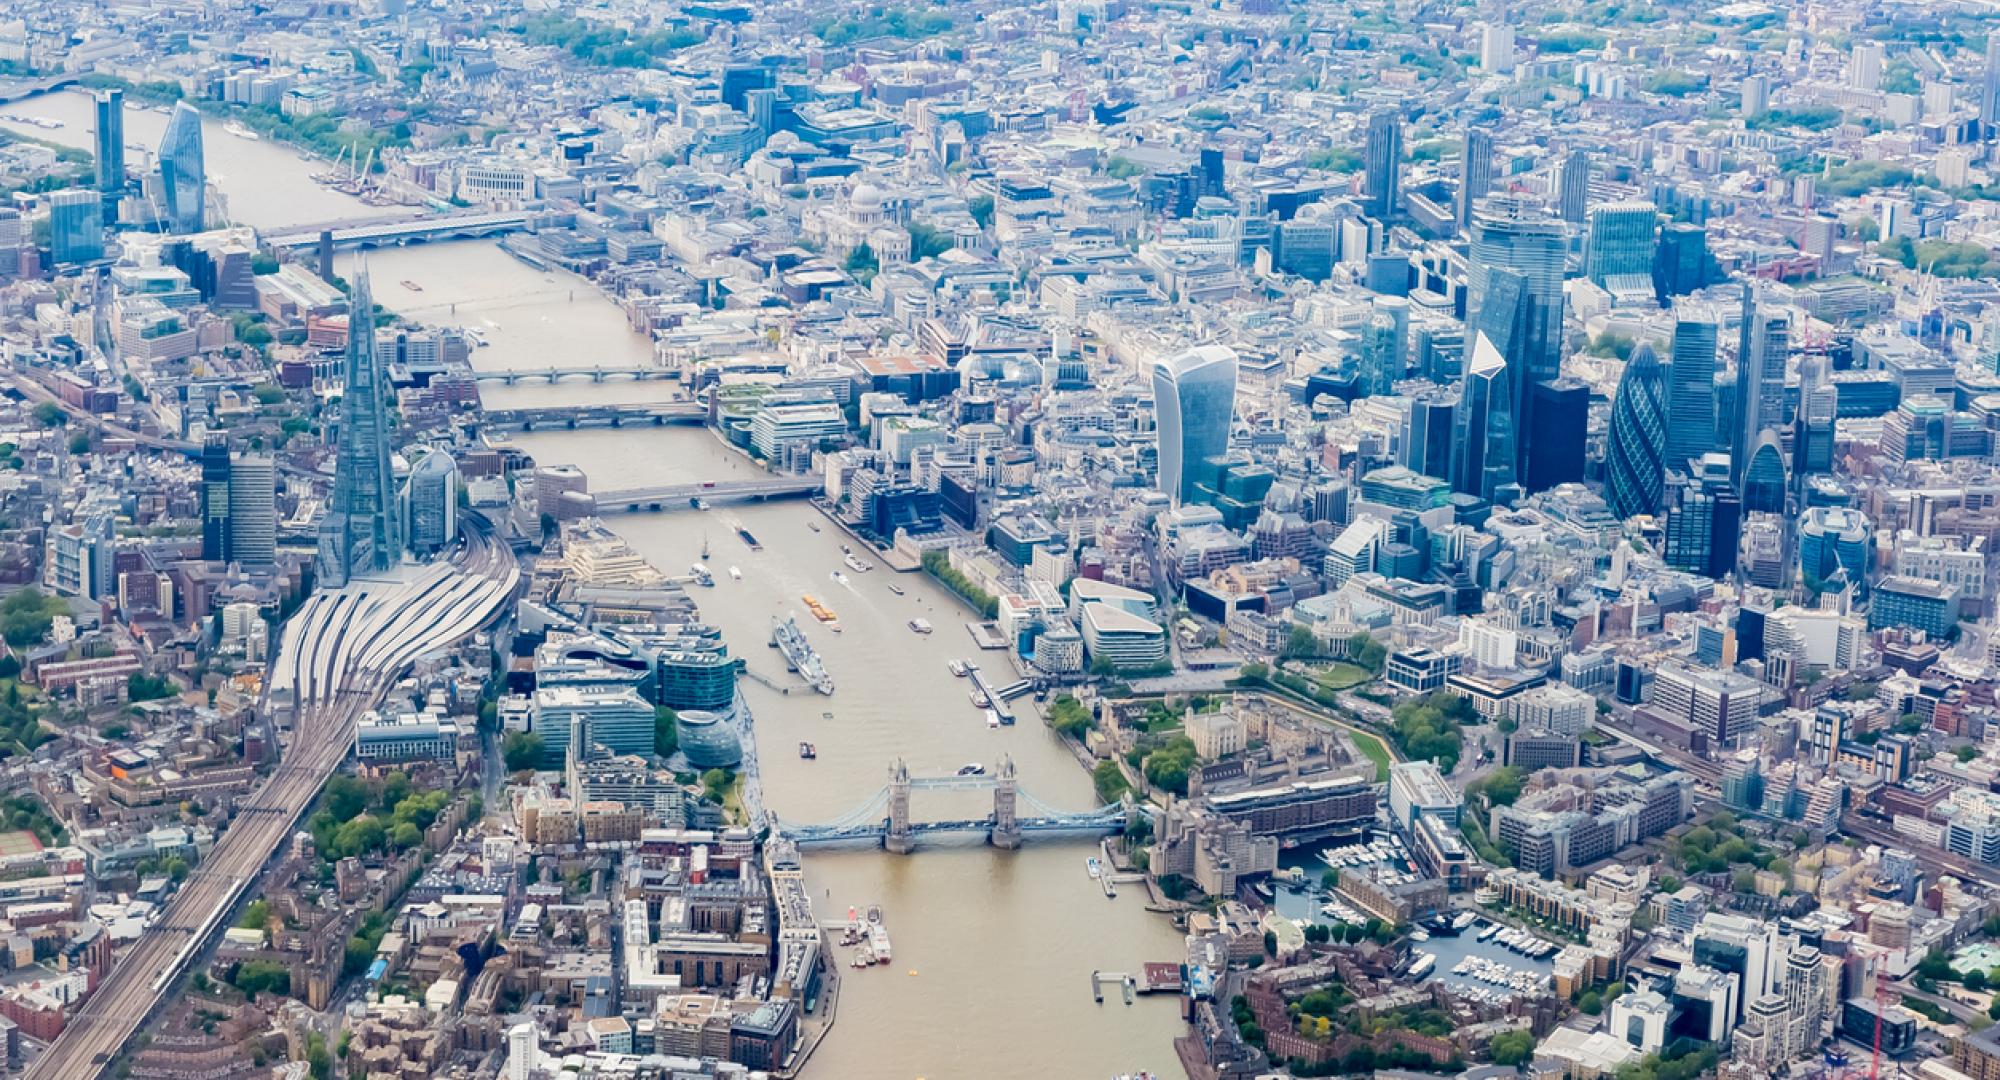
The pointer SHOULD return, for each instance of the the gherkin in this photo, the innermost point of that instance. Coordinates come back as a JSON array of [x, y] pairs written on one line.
[[1635, 459]]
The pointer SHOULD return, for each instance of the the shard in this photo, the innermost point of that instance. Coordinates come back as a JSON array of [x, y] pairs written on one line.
[[359, 535]]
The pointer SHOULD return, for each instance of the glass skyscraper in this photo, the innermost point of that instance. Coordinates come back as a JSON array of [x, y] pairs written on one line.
[[1485, 424], [1691, 386], [1194, 397], [1383, 163], [215, 499], [1573, 187], [1760, 387], [359, 534], [1834, 545], [110, 150], [182, 173], [1635, 454], [76, 226], [430, 503], [1624, 238], [1514, 294], [1477, 180]]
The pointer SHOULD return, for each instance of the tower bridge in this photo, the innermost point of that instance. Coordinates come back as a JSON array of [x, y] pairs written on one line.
[[884, 819], [510, 376]]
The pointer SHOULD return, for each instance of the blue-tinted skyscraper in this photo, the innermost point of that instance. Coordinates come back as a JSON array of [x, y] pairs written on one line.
[[1623, 239], [1514, 294], [1760, 391], [1635, 454], [430, 503], [1691, 386], [110, 150], [182, 172], [1477, 180], [1485, 424], [359, 534], [1834, 547], [76, 226], [1383, 162], [1194, 397]]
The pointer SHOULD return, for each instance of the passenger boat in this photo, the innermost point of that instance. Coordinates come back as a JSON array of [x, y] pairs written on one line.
[[856, 564], [808, 751], [749, 539], [972, 768], [992, 719], [897, 589], [1422, 967], [735, 574], [813, 525], [412, 286], [958, 668], [921, 626], [1095, 868], [839, 578]]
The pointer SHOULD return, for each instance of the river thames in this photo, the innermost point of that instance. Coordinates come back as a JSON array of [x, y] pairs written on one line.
[[993, 950]]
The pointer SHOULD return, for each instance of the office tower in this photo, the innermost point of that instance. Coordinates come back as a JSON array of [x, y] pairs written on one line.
[[1478, 178], [1760, 395], [1691, 386], [1835, 545], [1383, 352], [1194, 399], [430, 503], [325, 248], [182, 173], [1636, 450], [110, 151], [1989, 86], [1812, 426], [215, 499], [1623, 241], [1680, 263], [1704, 517], [1573, 187], [1514, 294], [1384, 164], [253, 510], [76, 226], [358, 534], [1756, 96], [1560, 411], [1864, 66], [1496, 48], [1427, 440], [1485, 424], [1211, 174], [1751, 951]]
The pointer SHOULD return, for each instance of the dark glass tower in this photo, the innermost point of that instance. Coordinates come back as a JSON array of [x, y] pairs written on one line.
[[1485, 424], [1635, 454], [359, 533], [182, 172], [215, 499], [1384, 164], [1691, 387], [110, 150]]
